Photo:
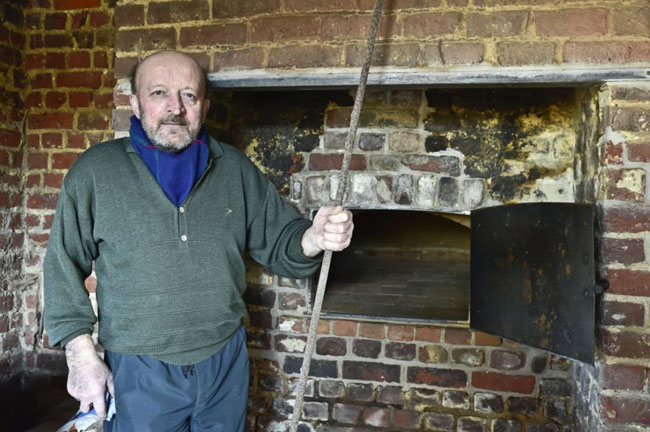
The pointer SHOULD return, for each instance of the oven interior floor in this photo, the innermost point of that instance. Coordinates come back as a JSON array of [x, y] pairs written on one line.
[[394, 287]]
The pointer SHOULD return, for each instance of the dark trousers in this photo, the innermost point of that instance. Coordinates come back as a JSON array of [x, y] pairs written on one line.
[[154, 396]]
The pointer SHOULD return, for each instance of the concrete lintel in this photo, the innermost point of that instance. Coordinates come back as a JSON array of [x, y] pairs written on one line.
[[274, 79]]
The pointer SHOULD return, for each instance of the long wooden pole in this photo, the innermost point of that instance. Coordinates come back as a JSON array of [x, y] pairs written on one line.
[[340, 195]]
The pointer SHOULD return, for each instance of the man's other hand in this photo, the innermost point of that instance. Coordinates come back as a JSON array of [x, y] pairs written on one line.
[[88, 376], [331, 230]]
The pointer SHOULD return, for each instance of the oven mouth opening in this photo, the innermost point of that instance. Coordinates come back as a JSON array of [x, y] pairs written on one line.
[[402, 266]]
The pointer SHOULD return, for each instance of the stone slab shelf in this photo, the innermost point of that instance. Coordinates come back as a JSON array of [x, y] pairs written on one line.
[[390, 77]]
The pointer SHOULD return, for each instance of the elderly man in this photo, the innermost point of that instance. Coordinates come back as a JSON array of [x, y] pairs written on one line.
[[165, 216]]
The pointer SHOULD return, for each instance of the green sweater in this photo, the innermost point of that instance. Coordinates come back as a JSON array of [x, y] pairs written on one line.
[[169, 279]]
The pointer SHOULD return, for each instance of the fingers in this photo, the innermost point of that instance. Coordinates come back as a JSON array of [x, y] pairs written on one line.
[[84, 406], [110, 385], [99, 403]]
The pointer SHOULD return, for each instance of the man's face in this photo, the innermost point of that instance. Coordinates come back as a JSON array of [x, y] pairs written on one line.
[[170, 100]]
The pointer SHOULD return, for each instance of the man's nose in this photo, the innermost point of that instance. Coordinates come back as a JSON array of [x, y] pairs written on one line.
[[175, 104]]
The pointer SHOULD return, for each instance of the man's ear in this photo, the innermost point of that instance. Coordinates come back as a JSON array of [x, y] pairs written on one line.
[[206, 108], [135, 105]]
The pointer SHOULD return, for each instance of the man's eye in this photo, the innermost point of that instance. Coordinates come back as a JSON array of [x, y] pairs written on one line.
[[157, 93], [190, 96]]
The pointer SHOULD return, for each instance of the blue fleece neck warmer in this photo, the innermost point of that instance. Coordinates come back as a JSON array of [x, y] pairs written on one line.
[[176, 173]]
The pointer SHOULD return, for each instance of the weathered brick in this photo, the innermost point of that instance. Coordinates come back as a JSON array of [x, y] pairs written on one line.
[[539, 364], [331, 346], [345, 328], [366, 348], [625, 410], [322, 162], [428, 25], [331, 389], [572, 22], [378, 417], [245, 58], [44, 201], [455, 53], [239, 8], [404, 141], [92, 120], [99, 19], [284, 28], [400, 351], [384, 54], [79, 59], [624, 251], [290, 301], [361, 392], [406, 420], [391, 395], [555, 387], [471, 424], [437, 377], [370, 330], [213, 34], [502, 382], [621, 313], [75, 4], [606, 52], [439, 422], [50, 121], [52, 140], [625, 344], [488, 403], [302, 56], [468, 356], [346, 413], [318, 368], [63, 160], [400, 333], [366, 371], [80, 99], [41, 80], [458, 336], [502, 425], [177, 11], [439, 164], [622, 376], [631, 21], [55, 21], [427, 334], [433, 354], [150, 39], [507, 360], [627, 219], [525, 53], [57, 41], [497, 24], [403, 193], [315, 411], [455, 399], [522, 405]]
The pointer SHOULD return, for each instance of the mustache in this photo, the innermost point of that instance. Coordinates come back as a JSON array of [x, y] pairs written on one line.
[[178, 120]]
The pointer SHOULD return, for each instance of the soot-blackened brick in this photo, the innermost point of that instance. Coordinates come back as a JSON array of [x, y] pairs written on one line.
[[318, 368], [501, 425], [488, 403], [436, 143], [331, 346], [437, 377], [371, 371], [331, 389], [555, 387], [361, 392], [522, 405], [366, 348]]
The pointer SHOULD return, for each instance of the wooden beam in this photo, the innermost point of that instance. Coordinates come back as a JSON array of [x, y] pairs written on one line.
[[390, 77]]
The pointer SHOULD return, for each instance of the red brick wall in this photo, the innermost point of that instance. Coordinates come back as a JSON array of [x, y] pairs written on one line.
[[624, 333], [66, 98], [274, 33], [12, 41]]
